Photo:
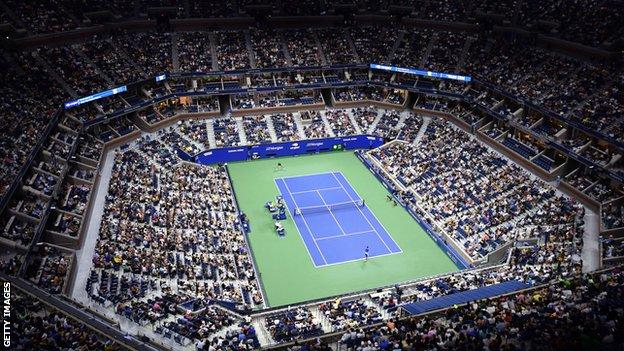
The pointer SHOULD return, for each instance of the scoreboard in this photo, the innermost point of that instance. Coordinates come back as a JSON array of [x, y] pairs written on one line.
[[419, 72]]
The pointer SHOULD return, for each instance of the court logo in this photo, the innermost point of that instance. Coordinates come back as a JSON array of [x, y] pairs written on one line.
[[6, 314]]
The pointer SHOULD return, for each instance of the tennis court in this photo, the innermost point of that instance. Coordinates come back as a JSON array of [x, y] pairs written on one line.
[[333, 220], [284, 264]]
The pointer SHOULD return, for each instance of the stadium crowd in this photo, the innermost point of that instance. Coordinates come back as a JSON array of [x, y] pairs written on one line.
[[150, 260]]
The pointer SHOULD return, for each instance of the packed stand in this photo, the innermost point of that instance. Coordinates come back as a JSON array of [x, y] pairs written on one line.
[[232, 51], [194, 52], [285, 127], [480, 217], [226, 132], [585, 308], [340, 122], [268, 49], [256, 129], [313, 125]]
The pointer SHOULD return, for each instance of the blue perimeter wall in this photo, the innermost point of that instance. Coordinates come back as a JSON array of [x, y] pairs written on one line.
[[291, 148]]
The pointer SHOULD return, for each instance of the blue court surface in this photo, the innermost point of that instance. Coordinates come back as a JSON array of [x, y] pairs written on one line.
[[334, 224]]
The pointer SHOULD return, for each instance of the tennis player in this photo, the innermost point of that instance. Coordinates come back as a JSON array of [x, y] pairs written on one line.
[[366, 251], [279, 167]]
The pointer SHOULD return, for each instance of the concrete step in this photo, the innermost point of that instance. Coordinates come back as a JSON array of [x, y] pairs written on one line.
[[211, 134], [108, 79], [56, 77], [284, 48], [213, 51], [590, 253], [241, 130], [252, 55], [354, 122], [373, 125], [175, 58], [269, 122], [396, 44], [320, 48], [124, 54], [425, 57], [349, 40], [297, 118], [327, 125], [421, 132]]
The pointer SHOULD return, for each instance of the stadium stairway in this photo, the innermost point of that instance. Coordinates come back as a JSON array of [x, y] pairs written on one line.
[[55, 75], [175, 57], [264, 337], [425, 57], [395, 46], [464, 297], [354, 123], [95, 67], [590, 253], [373, 125], [328, 127], [462, 56], [241, 130], [211, 134], [250, 50], [322, 318], [213, 51], [120, 50], [583, 102], [421, 131], [321, 54], [297, 118], [284, 48], [269, 123], [349, 40], [84, 256], [370, 303], [402, 119]]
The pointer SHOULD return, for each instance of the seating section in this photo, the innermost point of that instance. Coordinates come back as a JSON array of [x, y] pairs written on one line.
[[374, 43], [340, 122], [40, 326], [285, 127], [256, 130], [350, 314], [336, 46], [582, 296], [313, 126], [171, 255], [298, 323], [268, 49], [194, 52], [232, 53], [226, 132], [479, 218]]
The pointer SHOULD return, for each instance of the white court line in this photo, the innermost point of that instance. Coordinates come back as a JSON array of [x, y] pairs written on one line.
[[363, 215], [306, 224], [315, 190], [360, 259], [296, 226], [304, 175], [331, 213], [340, 236]]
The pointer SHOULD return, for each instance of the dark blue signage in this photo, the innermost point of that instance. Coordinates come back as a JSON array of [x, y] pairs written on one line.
[[419, 72], [100, 95], [292, 148]]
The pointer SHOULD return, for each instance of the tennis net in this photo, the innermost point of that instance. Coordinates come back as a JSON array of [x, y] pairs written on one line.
[[329, 207]]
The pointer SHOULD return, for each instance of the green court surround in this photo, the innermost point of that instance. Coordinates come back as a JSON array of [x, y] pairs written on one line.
[[284, 265]]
